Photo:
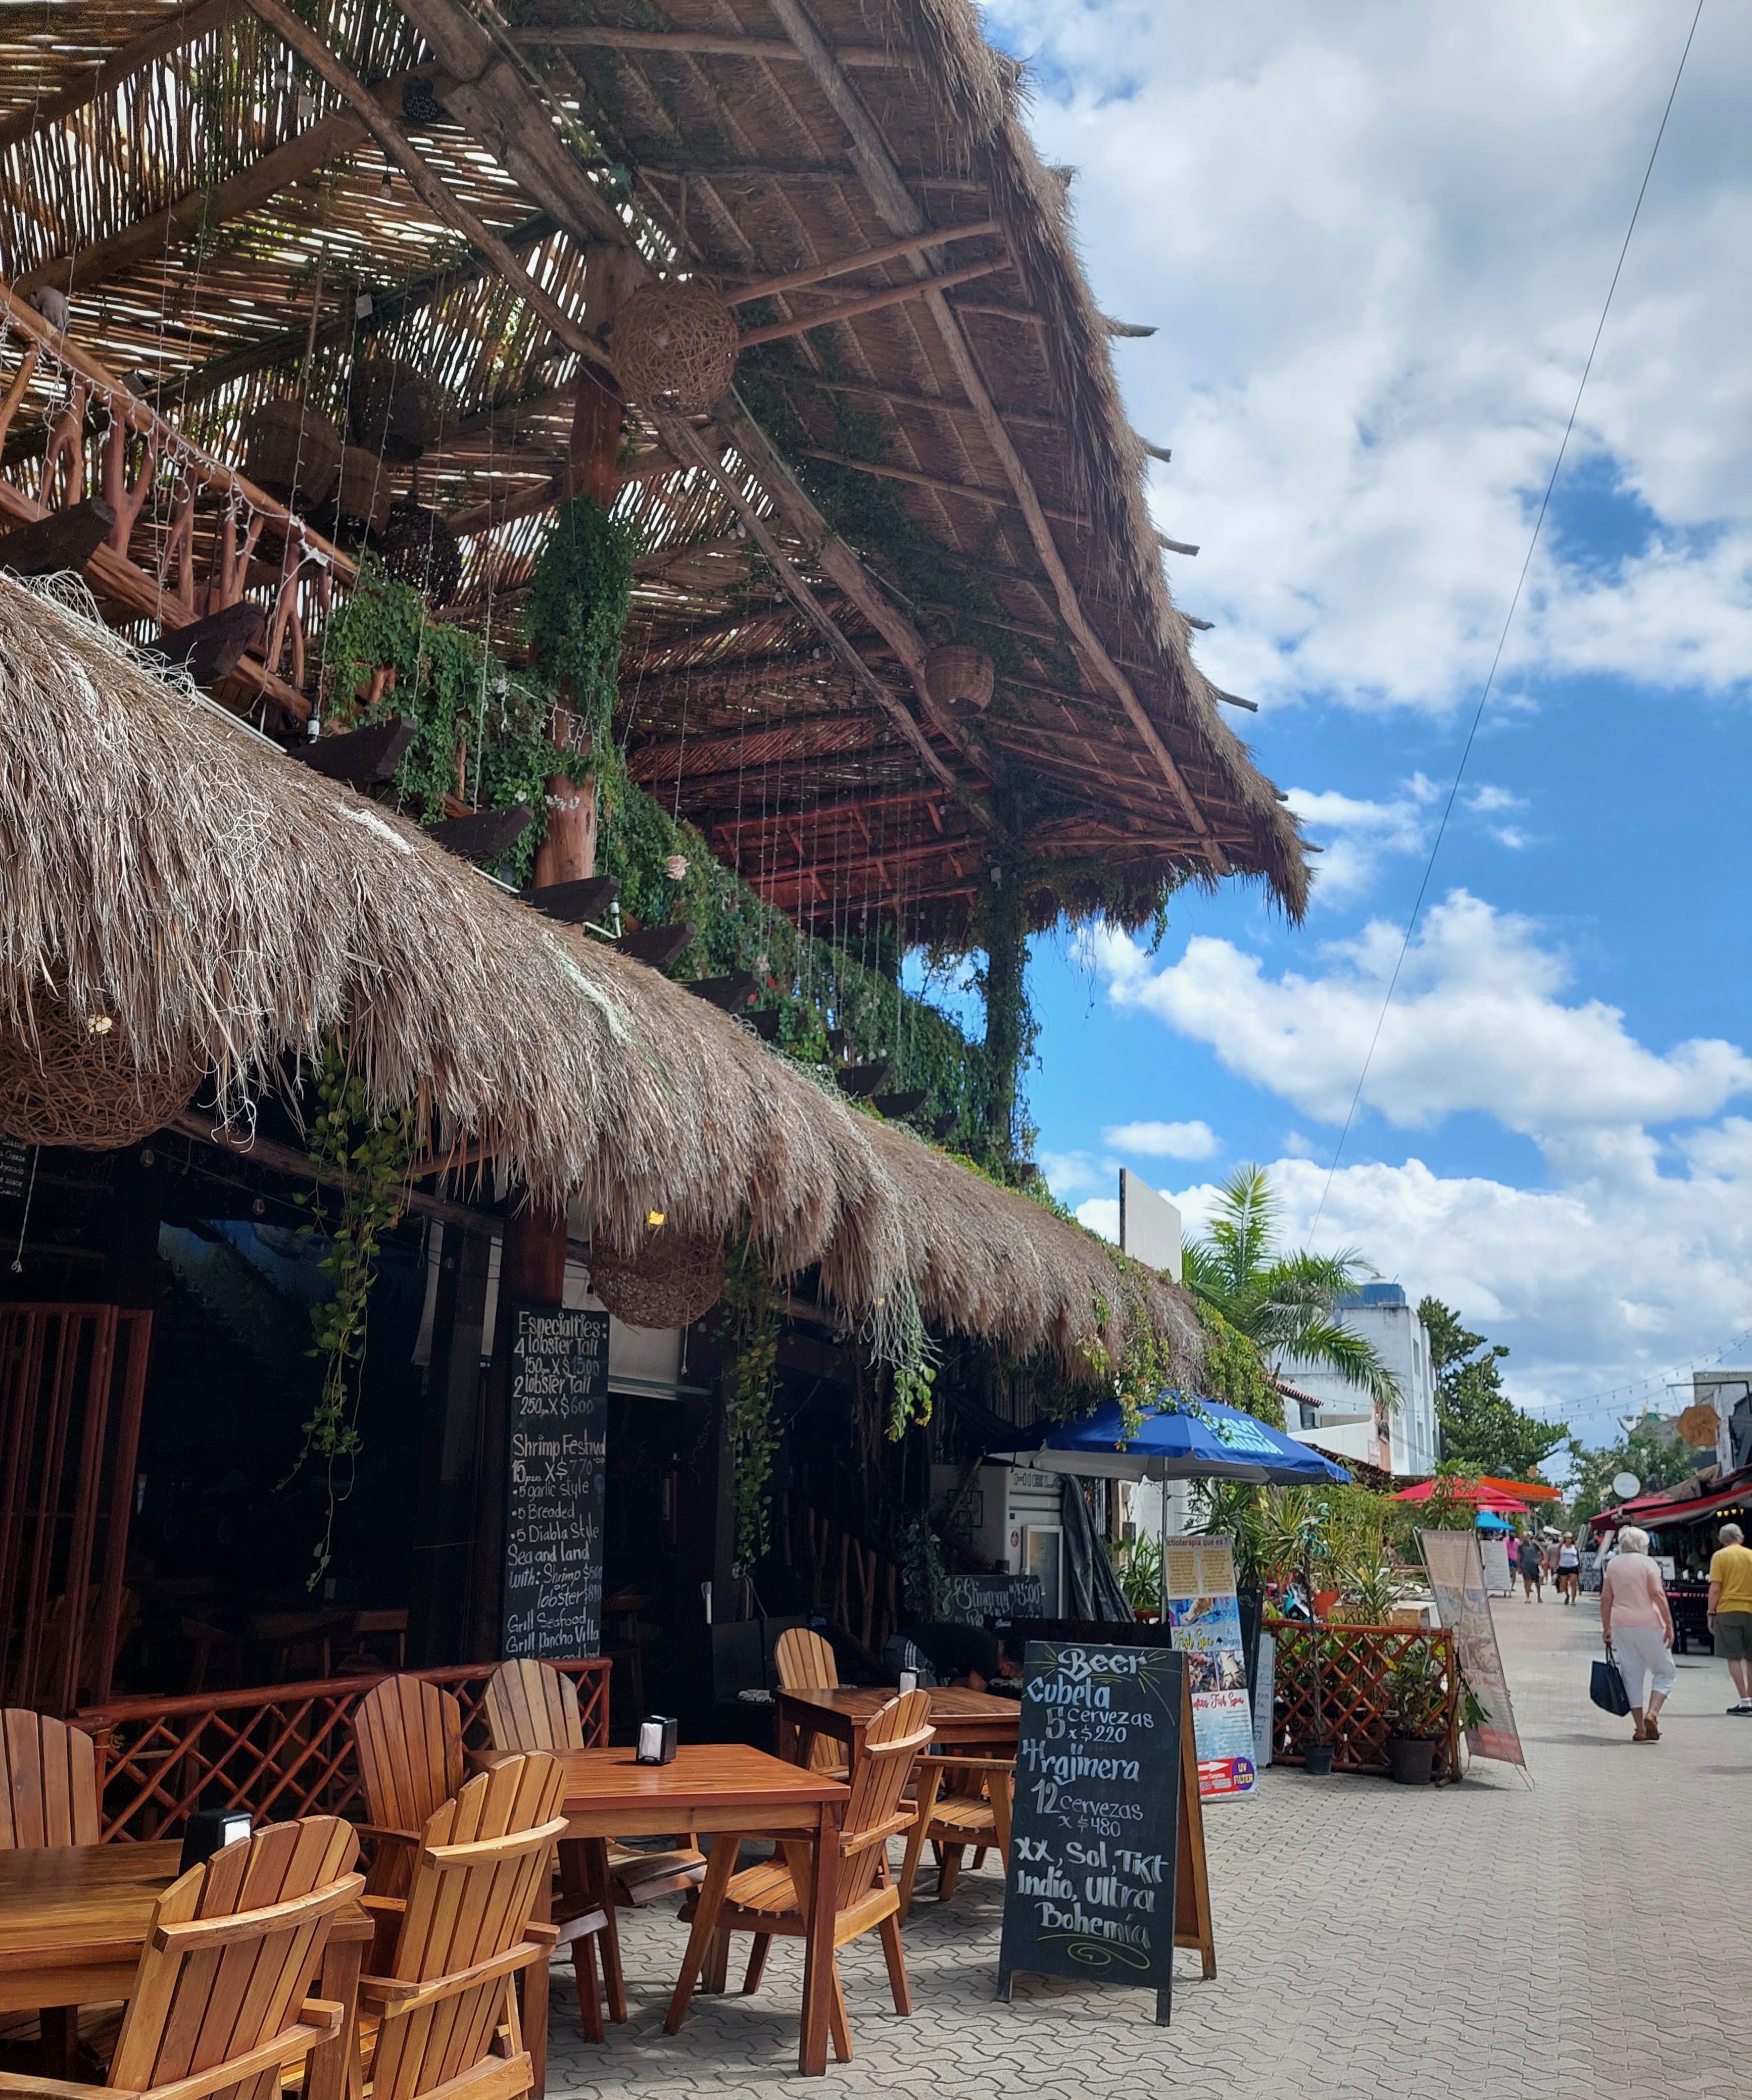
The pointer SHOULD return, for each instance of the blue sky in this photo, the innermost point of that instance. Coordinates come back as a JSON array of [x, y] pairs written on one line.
[[1375, 240]]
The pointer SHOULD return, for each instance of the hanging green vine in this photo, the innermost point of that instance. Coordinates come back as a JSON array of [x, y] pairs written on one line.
[[481, 730], [363, 1160], [577, 611], [895, 1338], [749, 1328], [1234, 1371]]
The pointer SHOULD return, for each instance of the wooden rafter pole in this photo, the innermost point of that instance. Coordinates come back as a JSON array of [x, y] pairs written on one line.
[[817, 273], [133, 57], [895, 202], [433, 193], [576, 37], [873, 302]]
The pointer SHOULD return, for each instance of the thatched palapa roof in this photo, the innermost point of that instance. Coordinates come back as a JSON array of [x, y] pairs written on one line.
[[163, 868], [204, 198]]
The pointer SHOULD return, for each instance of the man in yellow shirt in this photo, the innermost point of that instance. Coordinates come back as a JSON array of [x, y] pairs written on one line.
[[1731, 1611]]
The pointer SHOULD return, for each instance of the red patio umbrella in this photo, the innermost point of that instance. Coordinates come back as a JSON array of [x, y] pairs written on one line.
[[1484, 1495]]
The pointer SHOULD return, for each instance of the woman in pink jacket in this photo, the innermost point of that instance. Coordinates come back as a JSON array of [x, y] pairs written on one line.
[[1638, 1626]]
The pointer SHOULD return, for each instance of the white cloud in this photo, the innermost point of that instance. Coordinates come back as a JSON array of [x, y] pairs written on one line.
[[1100, 1214], [1066, 1172], [1164, 1141], [1377, 239], [1477, 1022], [1612, 1277], [1490, 801]]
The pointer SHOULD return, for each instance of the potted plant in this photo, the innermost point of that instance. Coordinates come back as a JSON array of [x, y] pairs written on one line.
[[1139, 1567], [1419, 1719]]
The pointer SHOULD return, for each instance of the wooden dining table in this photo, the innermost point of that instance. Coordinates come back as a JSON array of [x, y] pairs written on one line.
[[723, 1789], [961, 1720], [73, 1919]]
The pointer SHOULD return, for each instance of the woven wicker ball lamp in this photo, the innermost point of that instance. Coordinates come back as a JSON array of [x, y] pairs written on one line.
[[73, 1081], [674, 347], [293, 451], [671, 1282], [959, 678]]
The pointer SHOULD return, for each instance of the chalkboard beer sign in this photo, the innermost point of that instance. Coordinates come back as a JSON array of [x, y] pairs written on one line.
[[553, 1591], [1106, 1867]]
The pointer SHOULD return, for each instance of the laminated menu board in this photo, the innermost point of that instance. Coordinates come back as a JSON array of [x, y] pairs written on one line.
[[555, 1423], [1204, 1615], [1106, 1868]]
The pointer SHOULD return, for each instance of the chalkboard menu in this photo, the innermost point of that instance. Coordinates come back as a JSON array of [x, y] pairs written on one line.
[[553, 1592], [1095, 1865], [14, 1168], [970, 1599]]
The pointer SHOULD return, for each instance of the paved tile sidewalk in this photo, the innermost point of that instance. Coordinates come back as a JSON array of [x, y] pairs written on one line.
[[1370, 1941]]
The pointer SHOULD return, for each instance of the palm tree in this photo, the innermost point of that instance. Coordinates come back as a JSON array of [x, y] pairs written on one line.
[[1285, 1303]]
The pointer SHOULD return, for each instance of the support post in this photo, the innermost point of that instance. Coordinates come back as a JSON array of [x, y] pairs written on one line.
[[1006, 1003], [443, 1538]]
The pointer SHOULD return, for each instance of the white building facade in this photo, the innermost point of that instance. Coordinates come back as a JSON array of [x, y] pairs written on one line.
[[1342, 1419]]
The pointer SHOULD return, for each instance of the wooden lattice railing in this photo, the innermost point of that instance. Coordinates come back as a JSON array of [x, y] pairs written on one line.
[[1359, 1704], [281, 1750]]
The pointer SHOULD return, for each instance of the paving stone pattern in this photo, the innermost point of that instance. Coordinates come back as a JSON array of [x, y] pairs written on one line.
[[1589, 1935]]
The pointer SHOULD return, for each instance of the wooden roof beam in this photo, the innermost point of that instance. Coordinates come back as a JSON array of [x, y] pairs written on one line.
[[496, 98], [182, 28], [944, 404], [575, 37], [895, 202], [816, 273], [891, 295], [431, 192]]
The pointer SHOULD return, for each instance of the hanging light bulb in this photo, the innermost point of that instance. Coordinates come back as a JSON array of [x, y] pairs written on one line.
[[306, 104], [386, 188]]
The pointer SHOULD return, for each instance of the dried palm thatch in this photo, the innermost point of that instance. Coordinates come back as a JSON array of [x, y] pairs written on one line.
[[228, 910]]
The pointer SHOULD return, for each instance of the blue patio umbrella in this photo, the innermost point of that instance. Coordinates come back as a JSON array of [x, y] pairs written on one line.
[[1182, 1438]]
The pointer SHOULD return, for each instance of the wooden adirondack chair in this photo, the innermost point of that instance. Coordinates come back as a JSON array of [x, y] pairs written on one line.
[[408, 1735], [49, 1774], [962, 1802], [804, 1663], [218, 2009], [445, 2010], [771, 1900], [530, 1706]]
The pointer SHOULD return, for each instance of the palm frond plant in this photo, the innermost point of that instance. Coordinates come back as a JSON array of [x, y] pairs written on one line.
[[1138, 1564], [1286, 1303]]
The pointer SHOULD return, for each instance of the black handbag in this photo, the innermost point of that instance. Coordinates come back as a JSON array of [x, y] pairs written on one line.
[[1606, 1687]]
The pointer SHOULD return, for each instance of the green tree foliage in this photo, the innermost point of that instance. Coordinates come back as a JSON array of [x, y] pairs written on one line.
[[1482, 1429], [1284, 1302], [1657, 1459]]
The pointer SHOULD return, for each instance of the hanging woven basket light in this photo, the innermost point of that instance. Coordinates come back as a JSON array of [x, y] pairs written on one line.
[[673, 1280], [396, 410], [674, 347], [416, 547], [958, 678], [363, 497], [293, 451], [71, 1080]]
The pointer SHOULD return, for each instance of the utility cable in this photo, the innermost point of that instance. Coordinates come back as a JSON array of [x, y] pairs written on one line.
[[1520, 584]]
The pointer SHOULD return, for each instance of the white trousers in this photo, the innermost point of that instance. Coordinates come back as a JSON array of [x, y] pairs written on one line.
[[1643, 1659]]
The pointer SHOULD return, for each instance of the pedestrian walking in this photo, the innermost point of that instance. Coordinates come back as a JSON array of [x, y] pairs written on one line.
[[1568, 1568], [1638, 1626], [1532, 1563], [1731, 1611]]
